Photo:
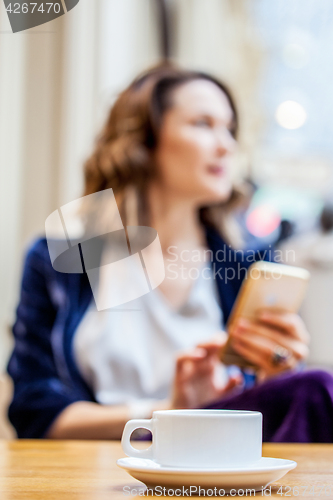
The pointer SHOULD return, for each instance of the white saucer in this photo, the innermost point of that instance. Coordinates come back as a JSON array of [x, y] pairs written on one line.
[[255, 476]]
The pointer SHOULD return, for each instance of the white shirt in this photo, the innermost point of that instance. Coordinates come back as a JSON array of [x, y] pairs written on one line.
[[129, 355]]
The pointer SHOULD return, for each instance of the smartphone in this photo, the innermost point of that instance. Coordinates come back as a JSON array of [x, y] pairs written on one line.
[[267, 285]]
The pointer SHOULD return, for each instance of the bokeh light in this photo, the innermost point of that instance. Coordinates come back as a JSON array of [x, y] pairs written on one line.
[[263, 220], [290, 115]]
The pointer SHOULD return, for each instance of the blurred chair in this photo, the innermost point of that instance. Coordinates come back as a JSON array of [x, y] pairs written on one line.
[[6, 390]]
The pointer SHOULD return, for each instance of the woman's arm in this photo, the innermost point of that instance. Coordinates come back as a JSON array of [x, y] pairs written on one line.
[[87, 420]]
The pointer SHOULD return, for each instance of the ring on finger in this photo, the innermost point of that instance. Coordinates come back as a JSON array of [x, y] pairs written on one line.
[[280, 356]]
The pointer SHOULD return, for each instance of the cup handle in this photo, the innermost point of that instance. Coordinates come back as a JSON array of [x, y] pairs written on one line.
[[130, 427]]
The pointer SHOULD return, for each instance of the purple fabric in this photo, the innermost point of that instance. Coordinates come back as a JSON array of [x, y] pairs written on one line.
[[296, 408]]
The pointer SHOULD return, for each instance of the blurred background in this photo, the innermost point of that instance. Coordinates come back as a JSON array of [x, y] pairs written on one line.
[[58, 80]]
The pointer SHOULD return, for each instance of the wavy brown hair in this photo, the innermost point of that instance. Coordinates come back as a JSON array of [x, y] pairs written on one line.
[[122, 158]]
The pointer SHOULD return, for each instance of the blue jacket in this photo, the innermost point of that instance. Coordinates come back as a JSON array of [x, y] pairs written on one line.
[[52, 304]]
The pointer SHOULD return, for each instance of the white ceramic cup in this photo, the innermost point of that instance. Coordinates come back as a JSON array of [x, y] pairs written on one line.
[[199, 438]]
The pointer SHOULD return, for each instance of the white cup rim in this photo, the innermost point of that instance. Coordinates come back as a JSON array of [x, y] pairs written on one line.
[[206, 413]]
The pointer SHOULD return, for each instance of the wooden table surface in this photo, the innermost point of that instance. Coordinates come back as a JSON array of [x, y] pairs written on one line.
[[87, 470]]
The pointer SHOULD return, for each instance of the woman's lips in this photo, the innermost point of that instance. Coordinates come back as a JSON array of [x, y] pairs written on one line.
[[217, 170]]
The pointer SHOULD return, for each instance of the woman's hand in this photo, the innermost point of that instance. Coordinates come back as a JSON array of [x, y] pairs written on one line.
[[196, 381], [275, 342]]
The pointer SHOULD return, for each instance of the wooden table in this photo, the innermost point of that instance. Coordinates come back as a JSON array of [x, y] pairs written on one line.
[[87, 470]]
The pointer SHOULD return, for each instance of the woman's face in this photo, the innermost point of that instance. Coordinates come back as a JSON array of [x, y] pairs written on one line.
[[195, 147]]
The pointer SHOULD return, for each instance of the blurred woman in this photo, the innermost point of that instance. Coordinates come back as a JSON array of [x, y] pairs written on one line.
[[166, 151]]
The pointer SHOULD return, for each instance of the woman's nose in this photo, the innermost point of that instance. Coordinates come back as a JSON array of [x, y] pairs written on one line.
[[226, 143]]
